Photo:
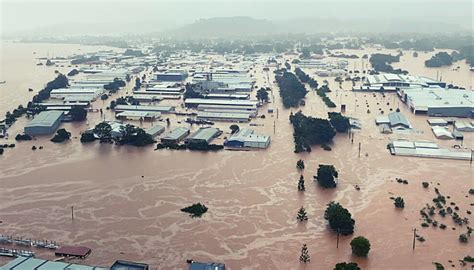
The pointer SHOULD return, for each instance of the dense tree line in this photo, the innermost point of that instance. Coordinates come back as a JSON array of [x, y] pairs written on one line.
[[115, 85], [292, 91], [304, 78], [339, 122], [381, 62], [310, 131], [193, 146], [439, 60], [61, 81]]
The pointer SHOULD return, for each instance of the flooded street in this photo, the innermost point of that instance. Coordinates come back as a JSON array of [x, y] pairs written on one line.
[[127, 200]]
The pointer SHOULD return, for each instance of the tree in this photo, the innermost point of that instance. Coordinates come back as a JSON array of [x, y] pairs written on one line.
[[347, 266], [300, 164], [360, 246], [398, 202], [339, 218], [302, 216], [138, 84], [73, 72], [195, 210], [103, 131], [78, 113], [87, 137], [234, 128], [301, 186], [61, 136], [304, 257], [262, 95], [327, 176]]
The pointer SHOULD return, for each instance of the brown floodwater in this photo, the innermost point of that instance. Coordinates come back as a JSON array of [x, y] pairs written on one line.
[[127, 199]]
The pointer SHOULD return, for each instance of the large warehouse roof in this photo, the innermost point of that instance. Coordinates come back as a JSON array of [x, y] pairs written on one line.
[[422, 99], [233, 102], [45, 119]]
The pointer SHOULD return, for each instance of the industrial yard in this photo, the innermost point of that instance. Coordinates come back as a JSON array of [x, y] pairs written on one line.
[[126, 199]]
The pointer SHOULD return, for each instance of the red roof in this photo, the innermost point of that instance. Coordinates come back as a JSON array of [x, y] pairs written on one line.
[[73, 251]]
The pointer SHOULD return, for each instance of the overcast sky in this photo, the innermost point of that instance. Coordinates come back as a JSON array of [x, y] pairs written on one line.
[[22, 15]]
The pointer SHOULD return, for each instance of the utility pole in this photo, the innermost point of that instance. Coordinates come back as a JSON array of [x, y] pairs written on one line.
[[72, 212], [359, 149], [274, 127], [414, 238]]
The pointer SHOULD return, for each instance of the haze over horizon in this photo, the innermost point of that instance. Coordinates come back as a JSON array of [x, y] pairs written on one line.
[[107, 18]]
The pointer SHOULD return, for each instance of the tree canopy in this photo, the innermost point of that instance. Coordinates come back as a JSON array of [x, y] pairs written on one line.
[[439, 60], [310, 131], [346, 266], [360, 246], [61, 136], [292, 91], [326, 176], [339, 218], [339, 122]]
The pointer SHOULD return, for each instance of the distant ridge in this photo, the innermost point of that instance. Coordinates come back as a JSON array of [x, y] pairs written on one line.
[[225, 27]]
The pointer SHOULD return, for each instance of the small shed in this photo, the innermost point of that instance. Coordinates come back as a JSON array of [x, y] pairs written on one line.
[[73, 251]]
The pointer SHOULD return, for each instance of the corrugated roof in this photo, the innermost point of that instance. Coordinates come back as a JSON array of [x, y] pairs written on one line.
[[22, 263], [204, 133], [45, 118]]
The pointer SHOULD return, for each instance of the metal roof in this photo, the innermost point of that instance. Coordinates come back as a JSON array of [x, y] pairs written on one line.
[[204, 133], [397, 118], [45, 119], [22, 263], [248, 135], [233, 102], [176, 133], [144, 108], [223, 115]]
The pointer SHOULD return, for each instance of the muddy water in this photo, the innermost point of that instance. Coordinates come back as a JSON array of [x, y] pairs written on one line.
[[127, 200]]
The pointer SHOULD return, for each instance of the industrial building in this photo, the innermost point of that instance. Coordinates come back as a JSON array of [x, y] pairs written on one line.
[[247, 138], [63, 92], [240, 117], [426, 150], [29, 263], [195, 102], [437, 122], [222, 82], [442, 133], [204, 134], [138, 115], [463, 126], [126, 265], [206, 266], [176, 135], [393, 82], [145, 108], [155, 130], [439, 102], [45, 123], [393, 121], [177, 76]]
